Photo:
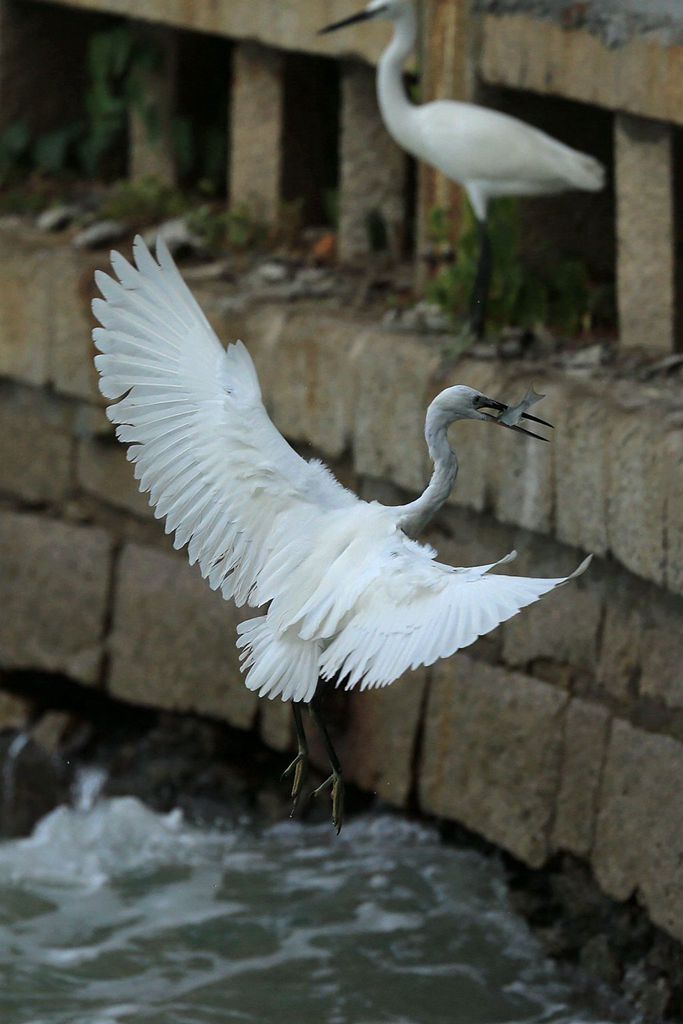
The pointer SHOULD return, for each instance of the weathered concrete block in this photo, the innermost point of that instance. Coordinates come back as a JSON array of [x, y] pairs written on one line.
[[473, 442], [26, 303], [585, 735], [637, 494], [662, 651], [53, 594], [639, 843], [173, 640], [621, 643], [372, 168], [581, 472], [72, 369], [673, 448], [35, 445], [388, 437], [379, 740], [521, 468], [256, 130], [308, 375], [645, 232], [491, 754], [564, 625], [103, 471]]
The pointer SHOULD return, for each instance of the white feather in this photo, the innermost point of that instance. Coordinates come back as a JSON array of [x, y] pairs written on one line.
[[349, 593]]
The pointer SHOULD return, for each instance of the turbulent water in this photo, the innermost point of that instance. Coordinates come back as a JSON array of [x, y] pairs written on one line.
[[117, 914]]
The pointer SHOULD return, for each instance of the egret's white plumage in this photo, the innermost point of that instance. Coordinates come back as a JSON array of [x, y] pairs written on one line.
[[349, 593], [490, 153]]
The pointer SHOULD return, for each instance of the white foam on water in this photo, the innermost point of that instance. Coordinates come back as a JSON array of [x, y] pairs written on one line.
[[113, 914]]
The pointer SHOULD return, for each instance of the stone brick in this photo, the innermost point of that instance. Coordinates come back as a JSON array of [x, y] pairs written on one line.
[[585, 734], [637, 494], [662, 651], [474, 442], [581, 472], [563, 625], [521, 468], [256, 130], [35, 446], [26, 303], [539, 54], [673, 446], [621, 643], [379, 741], [645, 232], [639, 842], [291, 27], [491, 754], [388, 438], [103, 471], [53, 594], [308, 375], [372, 169], [72, 369], [173, 640]]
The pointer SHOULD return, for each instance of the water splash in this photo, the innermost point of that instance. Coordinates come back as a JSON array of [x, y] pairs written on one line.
[[87, 786], [121, 915]]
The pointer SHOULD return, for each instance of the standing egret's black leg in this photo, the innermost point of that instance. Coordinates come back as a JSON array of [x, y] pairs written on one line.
[[482, 282], [299, 766], [335, 780]]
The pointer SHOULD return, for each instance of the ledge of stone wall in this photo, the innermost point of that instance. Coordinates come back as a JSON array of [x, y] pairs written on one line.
[[293, 25], [562, 731]]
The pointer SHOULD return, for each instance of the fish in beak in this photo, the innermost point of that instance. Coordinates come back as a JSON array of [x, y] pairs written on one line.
[[510, 415], [353, 20]]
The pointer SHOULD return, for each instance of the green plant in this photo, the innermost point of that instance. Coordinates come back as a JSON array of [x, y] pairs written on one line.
[[144, 201], [118, 61], [520, 295], [236, 228]]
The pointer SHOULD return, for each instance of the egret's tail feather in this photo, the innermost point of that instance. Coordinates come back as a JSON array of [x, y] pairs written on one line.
[[278, 664], [588, 173]]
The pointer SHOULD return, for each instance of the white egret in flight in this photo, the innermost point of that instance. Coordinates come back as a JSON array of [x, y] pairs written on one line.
[[349, 594], [489, 153]]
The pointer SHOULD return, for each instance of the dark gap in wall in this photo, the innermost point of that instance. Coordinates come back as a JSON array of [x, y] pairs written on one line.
[[55, 99], [202, 111], [310, 172], [577, 224]]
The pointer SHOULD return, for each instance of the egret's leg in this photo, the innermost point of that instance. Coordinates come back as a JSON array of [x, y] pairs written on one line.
[[299, 766], [335, 780], [482, 282]]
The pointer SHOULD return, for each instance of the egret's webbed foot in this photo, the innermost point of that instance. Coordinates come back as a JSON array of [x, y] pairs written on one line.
[[299, 766], [335, 780]]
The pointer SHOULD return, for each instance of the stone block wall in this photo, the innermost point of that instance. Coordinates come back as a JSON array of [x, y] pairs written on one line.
[[561, 731]]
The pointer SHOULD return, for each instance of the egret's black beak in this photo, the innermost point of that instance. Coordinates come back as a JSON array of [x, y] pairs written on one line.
[[353, 20], [500, 407]]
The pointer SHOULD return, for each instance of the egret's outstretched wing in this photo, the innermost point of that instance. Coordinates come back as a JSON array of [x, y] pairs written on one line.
[[418, 610], [216, 468]]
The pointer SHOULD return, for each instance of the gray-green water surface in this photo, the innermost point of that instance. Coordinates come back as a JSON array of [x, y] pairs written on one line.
[[117, 914]]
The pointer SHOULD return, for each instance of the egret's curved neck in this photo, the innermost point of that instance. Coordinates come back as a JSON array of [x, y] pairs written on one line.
[[414, 517], [397, 111]]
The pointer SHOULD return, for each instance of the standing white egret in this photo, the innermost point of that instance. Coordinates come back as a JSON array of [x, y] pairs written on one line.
[[489, 153], [351, 595]]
